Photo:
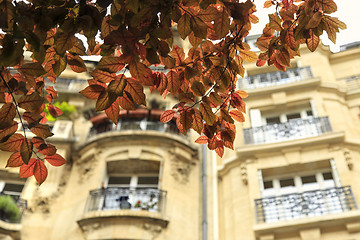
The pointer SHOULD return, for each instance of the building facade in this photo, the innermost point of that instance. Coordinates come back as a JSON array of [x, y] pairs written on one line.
[[293, 175]]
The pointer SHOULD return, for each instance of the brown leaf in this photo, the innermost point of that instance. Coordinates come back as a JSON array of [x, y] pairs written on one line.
[[105, 100], [111, 64], [136, 90], [15, 160], [202, 140], [237, 115], [208, 14], [26, 150], [31, 102], [312, 42], [102, 76], [275, 22], [13, 144], [5, 132], [27, 170], [141, 73], [113, 112], [76, 63], [197, 123], [247, 55], [33, 69], [7, 115], [186, 118], [222, 24], [198, 88], [173, 83], [198, 27], [207, 113], [118, 85], [92, 91], [42, 131], [183, 26], [167, 115]]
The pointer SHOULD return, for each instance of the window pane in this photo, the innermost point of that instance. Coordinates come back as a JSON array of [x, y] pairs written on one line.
[[268, 184], [119, 180], [287, 182], [148, 180], [10, 187], [293, 116], [308, 179], [328, 176], [309, 113], [273, 120]]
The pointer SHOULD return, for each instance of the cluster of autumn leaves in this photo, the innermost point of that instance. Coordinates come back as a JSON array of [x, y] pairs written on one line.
[[138, 37]]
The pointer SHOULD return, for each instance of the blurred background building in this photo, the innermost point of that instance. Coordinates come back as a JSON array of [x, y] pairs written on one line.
[[294, 174]]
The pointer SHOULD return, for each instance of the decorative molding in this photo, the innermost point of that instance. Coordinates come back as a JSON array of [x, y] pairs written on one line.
[[154, 230], [40, 204], [243, 171], [92, 227], [348, 159], [85, 169], [180, 167]]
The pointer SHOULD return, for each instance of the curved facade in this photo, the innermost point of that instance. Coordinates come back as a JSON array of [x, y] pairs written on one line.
[[294, 174]]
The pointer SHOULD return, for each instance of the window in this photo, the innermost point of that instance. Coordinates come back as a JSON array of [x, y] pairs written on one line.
[[300, 194], [11, 188]]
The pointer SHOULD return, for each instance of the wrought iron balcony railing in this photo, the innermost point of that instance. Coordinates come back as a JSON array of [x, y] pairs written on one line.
[[112, 198], [130, 124], [291, 130], [306, 204], [8, 211], [351, 83], [275, 78]]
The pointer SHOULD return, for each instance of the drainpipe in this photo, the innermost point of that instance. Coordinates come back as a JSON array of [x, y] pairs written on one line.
[[204, 194]]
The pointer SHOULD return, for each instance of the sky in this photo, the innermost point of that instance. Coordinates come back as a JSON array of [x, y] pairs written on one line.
[[348, 12]]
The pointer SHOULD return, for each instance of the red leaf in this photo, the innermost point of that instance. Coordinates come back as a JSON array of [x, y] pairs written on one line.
[[93, 91], [220, 149], [52, 94], [37, 141], [42, 131], [212, 143], [167, 115], [27, 170], [54, 111], [40, 171], [13, 143], [15, 160], [47, 149], [55, 160], [202, 140]]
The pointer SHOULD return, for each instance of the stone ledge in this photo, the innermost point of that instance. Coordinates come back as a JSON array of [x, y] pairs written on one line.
[[11, 229]]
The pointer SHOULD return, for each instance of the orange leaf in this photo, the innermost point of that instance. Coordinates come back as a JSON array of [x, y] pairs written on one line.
[[126, 101], [40, 171], [55, 160], [202, 140], [76, 63], [105, 100], [15, 160], [241, 93], [275, 22], [27, 170], [92, 91], [208, 14], [212, 143], [118, 85], [268, 3], [328, 6], [313, 41], [178, 54], [237, 115], [31, 102], [42, 131], [186, 119], [136, 90], [13, 144], [247, 55], [167, 115], [37, 141], [113, 112], [220, 149], [26, 150]]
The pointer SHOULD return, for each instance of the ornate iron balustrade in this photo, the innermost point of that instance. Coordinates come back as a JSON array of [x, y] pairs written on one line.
[[275, 78], [12, 215], [352, 82], [293, 129], [306, 204], [129, 124], [149, 199]]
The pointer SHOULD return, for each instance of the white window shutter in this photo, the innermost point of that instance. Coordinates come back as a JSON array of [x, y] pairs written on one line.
[[255, 116]]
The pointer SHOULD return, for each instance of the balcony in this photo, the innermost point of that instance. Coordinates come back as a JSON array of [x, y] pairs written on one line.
[[132, 124], [68, 85], [11, 208], [291, 130], [148, 199], [303, 205], [351, 83], [275, 78]]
